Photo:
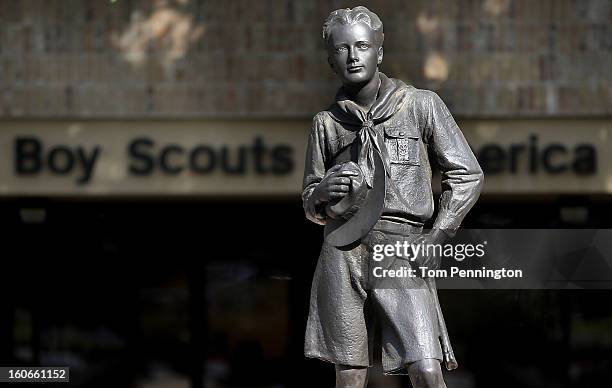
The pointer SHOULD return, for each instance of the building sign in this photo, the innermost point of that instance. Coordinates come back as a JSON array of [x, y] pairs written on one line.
[[147, 158], [265, 157], [553, 158], [544, 156], [151, 158]]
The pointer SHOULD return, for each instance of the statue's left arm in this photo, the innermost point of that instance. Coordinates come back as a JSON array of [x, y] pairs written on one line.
[[462, 177]]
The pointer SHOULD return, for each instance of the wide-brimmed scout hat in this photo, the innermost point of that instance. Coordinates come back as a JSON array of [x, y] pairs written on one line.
[[358, 211]]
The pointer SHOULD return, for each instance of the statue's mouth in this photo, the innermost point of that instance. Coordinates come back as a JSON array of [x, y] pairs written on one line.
[[354, 69]]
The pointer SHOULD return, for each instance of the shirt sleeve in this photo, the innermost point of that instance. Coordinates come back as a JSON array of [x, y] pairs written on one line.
[[314, 171], [462, 177]]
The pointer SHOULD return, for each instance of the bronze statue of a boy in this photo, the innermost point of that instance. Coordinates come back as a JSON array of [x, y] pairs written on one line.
[[368, 180]]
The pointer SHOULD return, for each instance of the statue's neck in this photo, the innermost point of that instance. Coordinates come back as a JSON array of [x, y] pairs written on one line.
[[364, 95]]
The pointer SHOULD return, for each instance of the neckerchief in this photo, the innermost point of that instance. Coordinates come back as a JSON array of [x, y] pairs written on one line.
[[391, 94]]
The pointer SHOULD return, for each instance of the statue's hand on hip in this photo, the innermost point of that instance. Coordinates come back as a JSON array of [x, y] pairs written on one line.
[[427, 255]]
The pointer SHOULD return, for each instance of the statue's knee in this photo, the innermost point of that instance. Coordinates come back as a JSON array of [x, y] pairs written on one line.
[[427, 374], [432, 375], [351, 377]]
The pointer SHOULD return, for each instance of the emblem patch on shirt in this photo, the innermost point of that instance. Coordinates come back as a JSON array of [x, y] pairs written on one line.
[[404, 149]]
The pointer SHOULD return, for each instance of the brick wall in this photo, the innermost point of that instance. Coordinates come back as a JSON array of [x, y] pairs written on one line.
[[202, 58]]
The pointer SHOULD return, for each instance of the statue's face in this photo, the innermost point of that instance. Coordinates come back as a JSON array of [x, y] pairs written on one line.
[[353, 54]]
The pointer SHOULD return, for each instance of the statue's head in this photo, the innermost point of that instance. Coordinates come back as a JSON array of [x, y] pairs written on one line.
[[354, 39]]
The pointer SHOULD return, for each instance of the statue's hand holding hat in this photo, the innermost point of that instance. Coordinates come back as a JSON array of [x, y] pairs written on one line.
[[347, 206]]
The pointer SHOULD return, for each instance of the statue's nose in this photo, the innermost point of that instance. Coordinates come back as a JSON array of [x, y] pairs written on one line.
[[353, 54]]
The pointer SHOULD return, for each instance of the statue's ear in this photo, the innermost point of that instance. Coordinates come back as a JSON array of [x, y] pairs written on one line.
[[380, 55]]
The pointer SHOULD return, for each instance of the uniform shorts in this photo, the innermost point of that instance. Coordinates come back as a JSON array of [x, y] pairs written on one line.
[[348, 308]]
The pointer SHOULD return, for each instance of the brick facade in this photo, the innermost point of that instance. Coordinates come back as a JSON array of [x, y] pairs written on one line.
[[265, 58]]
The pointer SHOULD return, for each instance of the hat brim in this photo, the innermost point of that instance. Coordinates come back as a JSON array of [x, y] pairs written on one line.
[[339, 232]]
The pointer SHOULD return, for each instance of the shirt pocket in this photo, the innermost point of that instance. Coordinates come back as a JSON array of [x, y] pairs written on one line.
[[403, 144]]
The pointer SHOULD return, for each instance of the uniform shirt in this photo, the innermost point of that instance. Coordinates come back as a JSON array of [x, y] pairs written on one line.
[[421, 127]]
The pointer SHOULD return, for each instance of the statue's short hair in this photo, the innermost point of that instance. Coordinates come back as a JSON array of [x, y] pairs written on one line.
[[348, 16]]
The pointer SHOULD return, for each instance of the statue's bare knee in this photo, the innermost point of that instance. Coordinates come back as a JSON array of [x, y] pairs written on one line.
[[351, 376], [426, 374]]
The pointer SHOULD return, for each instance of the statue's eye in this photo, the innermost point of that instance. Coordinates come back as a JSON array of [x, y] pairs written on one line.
[[340, 49], [363, 46]]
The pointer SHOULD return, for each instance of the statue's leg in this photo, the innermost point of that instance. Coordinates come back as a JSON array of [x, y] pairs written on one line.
[[351, 377], [426, 374]]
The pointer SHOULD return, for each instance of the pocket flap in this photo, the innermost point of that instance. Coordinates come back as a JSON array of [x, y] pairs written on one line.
[[400, 132]]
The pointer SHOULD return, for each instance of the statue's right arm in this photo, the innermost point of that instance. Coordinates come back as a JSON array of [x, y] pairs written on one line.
[[314, 171]]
